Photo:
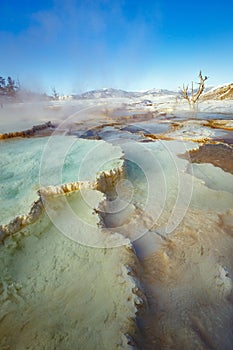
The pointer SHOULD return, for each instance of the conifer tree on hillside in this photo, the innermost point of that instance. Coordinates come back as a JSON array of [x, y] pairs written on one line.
[[8, 89], [2, 85], [55, 94]]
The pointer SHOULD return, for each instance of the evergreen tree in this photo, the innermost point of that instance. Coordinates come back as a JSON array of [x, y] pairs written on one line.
[[11, 88], [55, 94], [8, 89], [2, 86]]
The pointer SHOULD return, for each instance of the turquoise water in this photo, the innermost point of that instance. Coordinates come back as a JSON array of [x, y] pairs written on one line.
[[28, 164]]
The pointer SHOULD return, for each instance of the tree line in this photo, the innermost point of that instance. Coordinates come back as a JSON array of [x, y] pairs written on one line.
[[8, 87]]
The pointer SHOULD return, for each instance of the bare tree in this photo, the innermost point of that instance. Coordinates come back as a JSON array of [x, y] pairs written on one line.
[[193, 96]]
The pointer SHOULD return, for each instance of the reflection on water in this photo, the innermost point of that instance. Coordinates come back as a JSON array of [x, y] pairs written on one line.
[[150, 128], [220, 155]]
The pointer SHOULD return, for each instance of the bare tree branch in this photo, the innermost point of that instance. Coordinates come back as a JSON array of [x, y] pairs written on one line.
[[193, 97], [196, 96], [184, 92]]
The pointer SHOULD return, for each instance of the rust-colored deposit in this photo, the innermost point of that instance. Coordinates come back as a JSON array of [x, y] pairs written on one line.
[[220, 155], [158, 137], [38, 130], [219, 124]]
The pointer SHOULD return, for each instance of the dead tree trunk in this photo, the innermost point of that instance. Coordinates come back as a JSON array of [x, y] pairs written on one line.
[[193, 97]]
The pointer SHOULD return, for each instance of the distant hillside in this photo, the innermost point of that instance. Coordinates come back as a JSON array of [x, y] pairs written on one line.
[[224, 92], [159, 92], [106, 93], [118, 93]]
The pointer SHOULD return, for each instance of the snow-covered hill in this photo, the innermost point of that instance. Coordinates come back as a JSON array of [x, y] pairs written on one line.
[[223, 92], [118, 93], [106, 93], [160, 92]]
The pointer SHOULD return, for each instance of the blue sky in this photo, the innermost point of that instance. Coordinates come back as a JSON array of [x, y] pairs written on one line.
[[79, 45]]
